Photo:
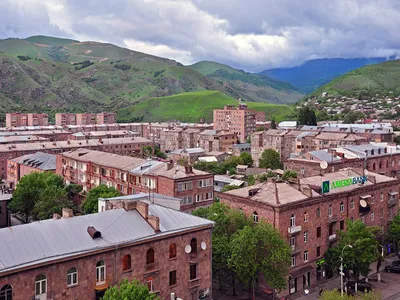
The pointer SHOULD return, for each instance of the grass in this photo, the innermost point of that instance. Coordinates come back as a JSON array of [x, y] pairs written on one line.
[[208, 67], [191, 107]]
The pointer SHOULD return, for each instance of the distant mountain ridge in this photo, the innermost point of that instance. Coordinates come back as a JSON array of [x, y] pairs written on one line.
[[313, 74], [50, 74]]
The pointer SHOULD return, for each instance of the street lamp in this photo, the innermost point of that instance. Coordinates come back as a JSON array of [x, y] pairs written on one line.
[[341, 269]]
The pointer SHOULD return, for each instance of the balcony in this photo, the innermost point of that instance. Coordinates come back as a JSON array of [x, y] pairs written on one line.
[[151, 267], [392, 201], [102, 285], [332, 219], [294, 229], [44, 296], [194, 283], [295, 250], [332, 238]]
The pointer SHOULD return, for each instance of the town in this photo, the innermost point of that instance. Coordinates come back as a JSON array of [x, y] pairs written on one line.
[[102, 202]]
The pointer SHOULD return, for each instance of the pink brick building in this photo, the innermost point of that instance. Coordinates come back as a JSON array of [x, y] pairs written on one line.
[[106, 118], [63, 119], [86, 119], [23, 119]]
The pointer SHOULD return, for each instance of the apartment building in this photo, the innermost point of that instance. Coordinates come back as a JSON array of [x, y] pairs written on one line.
[[106, 118], [171, 139], [132, 175], [216, 141], [123, 146], [79, 257], [26, 164], [24, 119], [86, 119], [63, 119], [239, 120], [309, 212]]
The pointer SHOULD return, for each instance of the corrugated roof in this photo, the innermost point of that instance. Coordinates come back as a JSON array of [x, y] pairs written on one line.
[[48, 240], [39, 160], [241, 146], [324, 155], [208, 159]]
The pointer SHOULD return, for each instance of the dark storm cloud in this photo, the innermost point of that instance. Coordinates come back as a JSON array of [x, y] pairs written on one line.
[[252, 34]]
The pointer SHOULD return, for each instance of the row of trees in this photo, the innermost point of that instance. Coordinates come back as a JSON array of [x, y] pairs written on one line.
[[229, 164], [39, 195], [242, 250]]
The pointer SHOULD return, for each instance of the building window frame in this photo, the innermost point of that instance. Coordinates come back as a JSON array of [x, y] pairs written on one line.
[[292, 220], [305, 235], [72, 277], [255, 217], [6, 292], [100, 272], [305, 256], [193, 271], [40, 284], [172, 251], [126, 263], [172, 278], [341, 207]]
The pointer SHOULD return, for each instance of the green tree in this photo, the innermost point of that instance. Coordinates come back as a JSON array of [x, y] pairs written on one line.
[[352, 117], [229, 188], [270, 159], [147, 151], [394, 232], [260, 250], [246, 159], [273, 124], [129, 291], [335, 295], [306, 116], [90, 205], [289, 174], [40, 194], [358, 258]]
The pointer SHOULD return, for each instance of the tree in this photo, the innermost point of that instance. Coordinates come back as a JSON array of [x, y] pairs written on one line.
[[335, 294], [40, 194], [90, 205], [394, 232], [273, 124], [358, 258], [246, 159], [260, 250], [229, 188], [289, 174], [129, 291], [147, 151], [306, 116], [352, 117], [270, 159]]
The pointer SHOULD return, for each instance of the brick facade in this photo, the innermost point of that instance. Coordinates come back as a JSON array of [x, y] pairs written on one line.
[[24, 119]]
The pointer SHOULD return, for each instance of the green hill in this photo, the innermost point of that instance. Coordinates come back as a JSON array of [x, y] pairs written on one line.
[[191, 107], [366, 82], [49, 74]]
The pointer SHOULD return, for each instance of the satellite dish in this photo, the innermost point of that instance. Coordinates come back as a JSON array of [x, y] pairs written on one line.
[[188, 249], [203, 245], [363, 203], [323, 164]]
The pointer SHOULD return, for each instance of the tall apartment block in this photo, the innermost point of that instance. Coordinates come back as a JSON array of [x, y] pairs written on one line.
[[86, 119], [106, 118], [23, 119], [65, 119], [239, 120]]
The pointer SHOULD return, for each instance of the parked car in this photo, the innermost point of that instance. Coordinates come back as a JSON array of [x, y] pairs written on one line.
[[396, 263], [393, 269], [362, 286]]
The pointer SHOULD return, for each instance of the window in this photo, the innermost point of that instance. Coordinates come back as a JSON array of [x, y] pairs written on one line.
[[292, 241], [318, 232], [372, 199], [381, 196], [205, 182], [184, 186], [72, 277], [186, 200], [40, 285], [305, 256], [341, 225], [172, 278], [372, 215], [292, 220], [305, 236], [193, 271], [330, 211], [6, 292], [293, 261], [305, 216], [341, 207], [126, 262], [318, 251], [100, 272], [172, 250], [381, 213], [373, 165], [150, 286], [150, 256], [363, 219], [193, 245], [255, 217], [352, 204], [318, 212]]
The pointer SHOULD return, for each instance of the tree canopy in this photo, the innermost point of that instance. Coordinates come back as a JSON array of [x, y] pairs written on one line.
[[306, 116], [129, 291], [394, 232], [335, 295], [273, 124], [229, 164], [352, 117], [270, 159], [90, 205], [40, 194]]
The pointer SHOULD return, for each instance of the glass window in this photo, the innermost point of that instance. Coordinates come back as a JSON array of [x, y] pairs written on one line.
[[150, 284], [318, 212], [305, 256], [342, 225], [172, 278], [305, 216], [193, 271], [305, 236], [341, 207], [292, 241], [381, 195], [100, 272], [255, 217], [193, 245], [72, 276], [150, 256], [352, 204], [172, 250], [372, 216], [318, 232], [40, 285], [6, 292], [330, 211], [292, 220], [293, 261], [126, 262]]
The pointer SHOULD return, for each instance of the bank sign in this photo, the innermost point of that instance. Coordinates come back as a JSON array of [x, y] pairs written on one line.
[[328, 185]]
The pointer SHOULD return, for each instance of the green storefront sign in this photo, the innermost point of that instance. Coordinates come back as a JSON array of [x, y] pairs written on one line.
[[327, 185]]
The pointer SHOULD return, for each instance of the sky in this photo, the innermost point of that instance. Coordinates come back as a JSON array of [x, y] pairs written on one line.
[[253, 35]]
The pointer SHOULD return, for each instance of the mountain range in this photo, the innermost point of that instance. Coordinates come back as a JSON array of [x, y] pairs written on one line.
[[50, 74], [313, 74]]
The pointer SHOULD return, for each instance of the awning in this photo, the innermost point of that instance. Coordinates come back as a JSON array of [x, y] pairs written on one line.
[[365, 196], [301, 271]]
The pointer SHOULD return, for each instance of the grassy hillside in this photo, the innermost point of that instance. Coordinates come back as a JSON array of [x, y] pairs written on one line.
[[191, 107], [366, 82]]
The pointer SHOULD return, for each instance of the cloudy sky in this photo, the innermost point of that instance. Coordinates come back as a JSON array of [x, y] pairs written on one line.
[[250, 34]]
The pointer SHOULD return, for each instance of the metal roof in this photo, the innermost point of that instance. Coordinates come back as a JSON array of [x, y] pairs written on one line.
[[324, 155], [241, 146], [38, 160], [44, 241]]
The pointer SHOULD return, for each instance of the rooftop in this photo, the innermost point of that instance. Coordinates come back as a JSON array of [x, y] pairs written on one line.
[[45, 241], [324, 155], [39, 160]]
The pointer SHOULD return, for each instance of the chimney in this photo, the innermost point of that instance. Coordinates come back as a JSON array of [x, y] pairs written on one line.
[[154, 222], [170, 165], [188, 169], [93, 232], [67, 213], [306, 190], [56, 216], [143, 209]]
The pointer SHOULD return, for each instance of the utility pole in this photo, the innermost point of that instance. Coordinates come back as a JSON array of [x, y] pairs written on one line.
[[341, 270]]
